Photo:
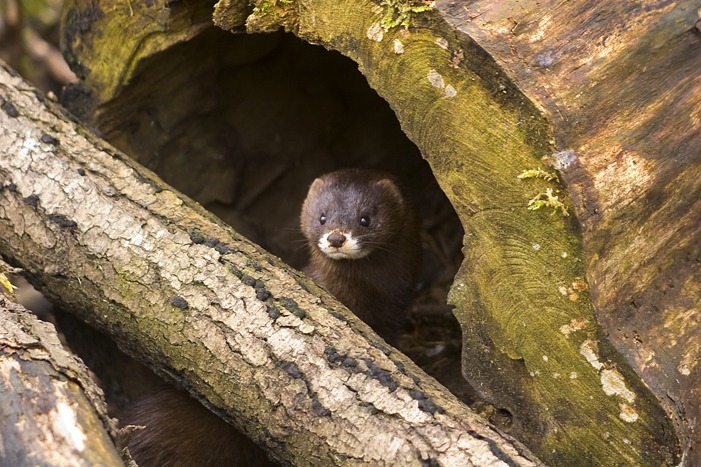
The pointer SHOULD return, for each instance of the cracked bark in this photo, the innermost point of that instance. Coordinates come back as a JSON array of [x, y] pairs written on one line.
[[175, 287], [51, 412]]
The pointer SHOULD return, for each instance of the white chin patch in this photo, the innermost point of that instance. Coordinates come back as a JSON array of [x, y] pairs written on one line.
[[350, 249]]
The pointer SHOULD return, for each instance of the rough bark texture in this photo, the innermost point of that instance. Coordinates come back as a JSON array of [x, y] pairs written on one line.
[[176, 287], [620, 83], [51, 412], [532, 341]]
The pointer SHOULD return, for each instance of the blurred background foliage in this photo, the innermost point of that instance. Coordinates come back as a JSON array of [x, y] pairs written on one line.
[[29, 42]]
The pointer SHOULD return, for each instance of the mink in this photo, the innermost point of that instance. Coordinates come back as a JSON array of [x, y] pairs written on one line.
[[362, 231], [363, 236], [178, 431]]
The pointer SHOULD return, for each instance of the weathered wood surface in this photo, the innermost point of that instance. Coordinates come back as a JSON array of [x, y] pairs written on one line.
[[176, 288], [532, 341], [51, 412], [620, 83]]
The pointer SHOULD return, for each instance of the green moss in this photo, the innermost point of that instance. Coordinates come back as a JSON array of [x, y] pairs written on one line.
[[5, 282], [548, 199], [537, 173], [264, 6], [400, 13]]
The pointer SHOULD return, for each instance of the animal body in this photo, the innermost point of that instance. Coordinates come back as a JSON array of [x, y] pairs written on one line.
[[363, 237], [178, 431]]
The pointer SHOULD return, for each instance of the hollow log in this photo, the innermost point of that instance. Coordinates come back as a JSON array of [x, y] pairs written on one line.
[[618, 82], [529, 293]]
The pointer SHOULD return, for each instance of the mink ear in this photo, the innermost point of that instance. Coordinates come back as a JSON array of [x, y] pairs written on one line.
[[316, 185], [391, 188], [308, 208]]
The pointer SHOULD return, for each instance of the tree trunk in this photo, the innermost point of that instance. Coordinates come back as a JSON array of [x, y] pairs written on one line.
[[176, 287], [51, 412]]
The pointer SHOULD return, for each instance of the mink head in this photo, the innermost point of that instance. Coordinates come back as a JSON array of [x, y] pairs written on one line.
[[350, 213]]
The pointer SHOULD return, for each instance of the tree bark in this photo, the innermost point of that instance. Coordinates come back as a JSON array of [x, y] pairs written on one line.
[[619, 83], [285, 362], [51, 412]]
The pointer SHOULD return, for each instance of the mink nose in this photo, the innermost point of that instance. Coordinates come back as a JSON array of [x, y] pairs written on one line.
[[336, 239]]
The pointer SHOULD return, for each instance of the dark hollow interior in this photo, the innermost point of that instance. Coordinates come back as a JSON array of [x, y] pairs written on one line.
[[244, 123]]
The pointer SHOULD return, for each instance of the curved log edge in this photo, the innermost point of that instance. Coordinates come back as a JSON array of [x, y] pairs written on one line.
[[176, 288], [52, 412], [619, 82]]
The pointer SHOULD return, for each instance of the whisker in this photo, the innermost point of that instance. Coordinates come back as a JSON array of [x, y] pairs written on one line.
[[291, 229], [383, 247], [299, 247]]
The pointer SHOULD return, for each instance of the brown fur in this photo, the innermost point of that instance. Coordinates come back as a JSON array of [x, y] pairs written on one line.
[[181, 432], [378, 287]]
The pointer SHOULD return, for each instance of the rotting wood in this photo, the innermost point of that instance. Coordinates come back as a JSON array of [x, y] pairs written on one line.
[[619, 82], [523, 284]]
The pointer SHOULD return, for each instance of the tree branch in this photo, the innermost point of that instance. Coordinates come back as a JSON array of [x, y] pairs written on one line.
[[52, 412]]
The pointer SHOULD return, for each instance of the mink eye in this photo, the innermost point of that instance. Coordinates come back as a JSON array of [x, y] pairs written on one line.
[[365, 221], [322, 219]]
